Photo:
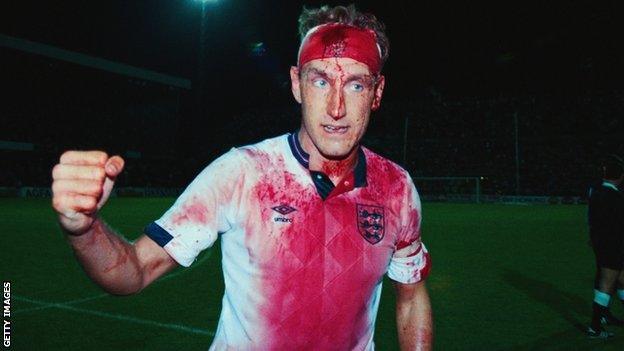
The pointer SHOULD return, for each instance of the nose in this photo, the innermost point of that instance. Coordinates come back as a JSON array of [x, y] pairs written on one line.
[[336, 108]]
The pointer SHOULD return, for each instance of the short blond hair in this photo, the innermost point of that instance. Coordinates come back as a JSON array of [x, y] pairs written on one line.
[[312, 17]]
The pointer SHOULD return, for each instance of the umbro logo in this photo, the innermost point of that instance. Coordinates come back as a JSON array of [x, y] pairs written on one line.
[[283, 209]]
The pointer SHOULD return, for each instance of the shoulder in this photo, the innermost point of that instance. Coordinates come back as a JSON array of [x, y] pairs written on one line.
[[617, 195], [265, 151], [595, 191], [242, 165], [606, 196], [389, 181], [237, 159], [610, 192], [378, 166]]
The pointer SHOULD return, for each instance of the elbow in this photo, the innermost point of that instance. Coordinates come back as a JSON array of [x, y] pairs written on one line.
[[122, 290], [121, 283]]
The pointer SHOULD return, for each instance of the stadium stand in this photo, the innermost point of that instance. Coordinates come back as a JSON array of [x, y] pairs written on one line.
[[559, 136]]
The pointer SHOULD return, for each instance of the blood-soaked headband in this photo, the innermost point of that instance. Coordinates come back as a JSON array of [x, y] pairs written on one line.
[[341, 40]]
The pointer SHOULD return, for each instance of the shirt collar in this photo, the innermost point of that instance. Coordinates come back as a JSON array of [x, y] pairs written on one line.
[[610, 185], [359, 173], [297, 151]]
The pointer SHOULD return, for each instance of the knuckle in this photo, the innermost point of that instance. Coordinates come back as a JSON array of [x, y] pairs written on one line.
[[101, 157], [56, 186], [64, 155], [94, 188], [75, 200], [58, 203], [99, 190], [99, 173], [90, 203], [68, 156], [56, 170]]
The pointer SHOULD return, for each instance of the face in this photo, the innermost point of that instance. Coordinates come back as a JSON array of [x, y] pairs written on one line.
[[337, 96]]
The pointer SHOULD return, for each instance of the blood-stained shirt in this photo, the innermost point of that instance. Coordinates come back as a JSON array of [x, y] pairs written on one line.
[[303, 259]]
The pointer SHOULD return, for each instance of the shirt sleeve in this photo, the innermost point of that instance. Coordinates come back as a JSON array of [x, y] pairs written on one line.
[[410, 262], [201, 212]]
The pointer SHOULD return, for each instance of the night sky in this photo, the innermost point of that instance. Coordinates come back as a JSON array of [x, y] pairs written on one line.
[[448, 48]]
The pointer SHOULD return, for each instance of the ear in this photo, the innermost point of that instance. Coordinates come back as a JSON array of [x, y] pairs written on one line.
[[379, 88], [294, 83]]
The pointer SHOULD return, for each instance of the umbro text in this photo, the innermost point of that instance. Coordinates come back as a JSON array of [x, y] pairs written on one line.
[[283, 219]]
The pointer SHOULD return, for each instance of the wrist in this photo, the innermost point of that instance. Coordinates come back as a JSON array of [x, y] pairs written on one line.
[[83, 231]]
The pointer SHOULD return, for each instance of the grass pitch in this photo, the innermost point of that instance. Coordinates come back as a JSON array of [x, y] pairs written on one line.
[[504, 278]]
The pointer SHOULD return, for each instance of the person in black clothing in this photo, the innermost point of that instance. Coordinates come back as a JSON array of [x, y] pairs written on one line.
[[606, 231]]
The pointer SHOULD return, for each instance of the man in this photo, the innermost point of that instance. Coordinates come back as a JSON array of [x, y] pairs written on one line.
[[309, 222], [606, 230]]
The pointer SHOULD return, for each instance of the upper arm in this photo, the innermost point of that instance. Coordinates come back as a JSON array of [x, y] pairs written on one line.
[[153, 260], [205, 208], [410, 261]]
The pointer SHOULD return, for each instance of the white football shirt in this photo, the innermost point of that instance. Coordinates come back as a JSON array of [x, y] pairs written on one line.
[[303, 259]]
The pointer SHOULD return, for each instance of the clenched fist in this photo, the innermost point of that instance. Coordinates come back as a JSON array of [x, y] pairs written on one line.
[[81, 184]]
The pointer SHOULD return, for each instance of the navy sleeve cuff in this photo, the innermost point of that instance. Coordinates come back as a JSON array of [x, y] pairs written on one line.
[[158, 234]]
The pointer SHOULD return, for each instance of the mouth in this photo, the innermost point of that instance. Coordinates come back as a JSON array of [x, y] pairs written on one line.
[[335, 129]]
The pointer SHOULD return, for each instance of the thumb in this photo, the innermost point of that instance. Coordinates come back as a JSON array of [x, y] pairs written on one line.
[[114, 166]]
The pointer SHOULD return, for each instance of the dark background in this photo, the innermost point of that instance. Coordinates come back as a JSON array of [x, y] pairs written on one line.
[[554, 65], [458, 48]]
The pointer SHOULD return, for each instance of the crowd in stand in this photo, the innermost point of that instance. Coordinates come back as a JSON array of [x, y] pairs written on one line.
[[560, 140], [529, 145]]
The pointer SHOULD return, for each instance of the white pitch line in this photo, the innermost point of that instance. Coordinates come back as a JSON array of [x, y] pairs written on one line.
[[95, 297], [66, 303], [172, 326]]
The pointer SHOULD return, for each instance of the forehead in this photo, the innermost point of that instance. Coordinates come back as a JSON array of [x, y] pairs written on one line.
[[336, 66]]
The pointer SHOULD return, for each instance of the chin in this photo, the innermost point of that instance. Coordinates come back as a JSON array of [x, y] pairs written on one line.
[[336, 154], [336, 157]]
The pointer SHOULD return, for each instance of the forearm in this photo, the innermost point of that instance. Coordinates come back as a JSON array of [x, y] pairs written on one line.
[[415, 323], [108, 259]]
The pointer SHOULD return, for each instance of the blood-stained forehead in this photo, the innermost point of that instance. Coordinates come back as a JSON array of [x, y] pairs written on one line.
[[345, 69], [340, 40]]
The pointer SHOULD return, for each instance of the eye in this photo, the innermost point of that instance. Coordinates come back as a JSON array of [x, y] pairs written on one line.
[[357, 87], [320, 83]]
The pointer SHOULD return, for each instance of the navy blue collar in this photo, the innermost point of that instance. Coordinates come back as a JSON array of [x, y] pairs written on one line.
[[359, 174], [297, 151]]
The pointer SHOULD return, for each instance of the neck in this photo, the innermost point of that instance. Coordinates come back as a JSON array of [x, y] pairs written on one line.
[[335, 169]]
